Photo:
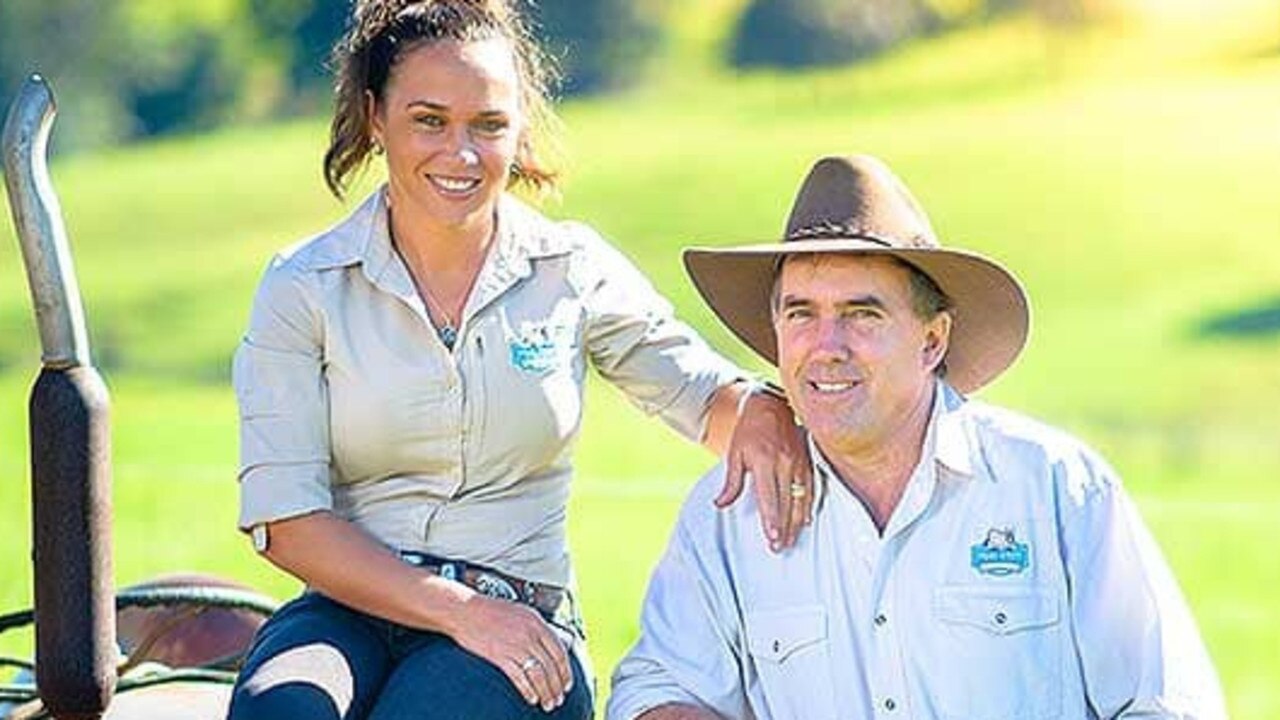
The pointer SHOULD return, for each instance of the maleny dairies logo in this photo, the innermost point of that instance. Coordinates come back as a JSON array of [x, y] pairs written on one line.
[[1000, 553]]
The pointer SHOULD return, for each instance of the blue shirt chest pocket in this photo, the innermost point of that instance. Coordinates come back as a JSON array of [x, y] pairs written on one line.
[[791, 659], [999, 654]]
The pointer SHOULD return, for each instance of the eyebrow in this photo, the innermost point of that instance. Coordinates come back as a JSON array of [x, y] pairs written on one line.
[[790, 301], [429, 105], [425, 104]]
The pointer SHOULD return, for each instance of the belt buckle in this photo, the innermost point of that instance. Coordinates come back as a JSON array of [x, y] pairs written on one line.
[[490, 585]]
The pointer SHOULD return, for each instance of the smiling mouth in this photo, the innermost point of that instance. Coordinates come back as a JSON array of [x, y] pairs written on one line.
[[454, 186], [829, 387]]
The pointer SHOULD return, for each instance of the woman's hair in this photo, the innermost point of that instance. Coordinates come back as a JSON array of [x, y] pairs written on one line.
[[382, 31]]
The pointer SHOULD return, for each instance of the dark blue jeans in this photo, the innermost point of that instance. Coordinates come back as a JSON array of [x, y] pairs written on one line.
[[318, 660]]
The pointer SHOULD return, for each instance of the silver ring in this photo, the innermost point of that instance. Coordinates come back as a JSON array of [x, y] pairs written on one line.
[[530, 663]]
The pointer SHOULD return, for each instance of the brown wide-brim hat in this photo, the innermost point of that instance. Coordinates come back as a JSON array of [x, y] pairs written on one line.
[[856, 205]]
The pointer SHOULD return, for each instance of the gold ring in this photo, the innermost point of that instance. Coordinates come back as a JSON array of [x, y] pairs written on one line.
[[798, 490]]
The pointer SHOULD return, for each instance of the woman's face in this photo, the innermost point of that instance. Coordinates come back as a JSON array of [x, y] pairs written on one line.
[[451, 123]]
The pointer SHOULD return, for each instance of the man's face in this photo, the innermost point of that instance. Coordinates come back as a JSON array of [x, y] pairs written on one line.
[[855, 358]]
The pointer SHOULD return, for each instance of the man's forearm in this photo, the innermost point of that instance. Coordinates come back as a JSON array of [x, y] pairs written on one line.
[[679, 711]]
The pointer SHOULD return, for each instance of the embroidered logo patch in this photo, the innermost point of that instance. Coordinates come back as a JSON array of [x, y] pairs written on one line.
[[1000, 553], [538, 347]]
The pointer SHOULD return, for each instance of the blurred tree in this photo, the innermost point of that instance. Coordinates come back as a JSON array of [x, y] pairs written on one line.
[[121, 73], [129, 68], [180, 78], [598, 44], [301, 33], [798, 33], [75, 45], [959, 12], [1053, 13]]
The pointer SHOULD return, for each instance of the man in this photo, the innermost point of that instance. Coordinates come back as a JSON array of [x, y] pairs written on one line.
[[963, 562]]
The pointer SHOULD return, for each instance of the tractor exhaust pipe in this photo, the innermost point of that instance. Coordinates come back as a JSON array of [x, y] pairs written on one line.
[[70, 439]]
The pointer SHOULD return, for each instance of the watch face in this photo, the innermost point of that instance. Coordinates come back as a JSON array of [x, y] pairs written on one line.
[[259, 534]]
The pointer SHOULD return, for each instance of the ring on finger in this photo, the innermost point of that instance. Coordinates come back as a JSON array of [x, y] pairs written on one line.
[[530, 663], [798, 490]]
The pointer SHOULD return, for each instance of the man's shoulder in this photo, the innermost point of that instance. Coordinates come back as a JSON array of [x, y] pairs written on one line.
[[994, 423], [1032, 449], [699, 515]]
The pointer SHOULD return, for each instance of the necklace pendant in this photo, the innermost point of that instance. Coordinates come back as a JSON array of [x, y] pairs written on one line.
[[448, 336]]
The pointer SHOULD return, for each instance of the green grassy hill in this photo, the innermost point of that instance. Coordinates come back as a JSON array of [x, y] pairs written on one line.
[[1138, 208]]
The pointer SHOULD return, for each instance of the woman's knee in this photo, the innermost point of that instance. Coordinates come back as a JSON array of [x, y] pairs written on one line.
[[315, 679], [315, 659], [297, 700]]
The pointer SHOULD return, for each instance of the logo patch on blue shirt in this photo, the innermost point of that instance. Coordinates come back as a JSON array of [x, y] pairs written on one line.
[[1000, 553]]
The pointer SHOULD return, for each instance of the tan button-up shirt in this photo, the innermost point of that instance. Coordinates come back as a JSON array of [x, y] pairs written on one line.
[[350, 403]]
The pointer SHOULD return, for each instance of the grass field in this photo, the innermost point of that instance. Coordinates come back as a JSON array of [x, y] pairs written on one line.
[[1138, 207]]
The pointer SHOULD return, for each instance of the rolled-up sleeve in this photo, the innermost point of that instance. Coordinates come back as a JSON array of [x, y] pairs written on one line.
[[1140, 651], [635, 341], [277, 374], [689, 648]]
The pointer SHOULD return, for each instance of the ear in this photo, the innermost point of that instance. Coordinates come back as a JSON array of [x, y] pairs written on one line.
[[937, 338], [374, 118], [524, 146]]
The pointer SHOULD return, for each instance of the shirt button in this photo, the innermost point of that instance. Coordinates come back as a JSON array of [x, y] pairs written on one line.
[[1001, 618], [890, 705], [881, 619]]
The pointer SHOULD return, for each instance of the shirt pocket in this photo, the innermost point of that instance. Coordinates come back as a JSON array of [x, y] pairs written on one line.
[[790, 651], [999, 653], [539, 380]]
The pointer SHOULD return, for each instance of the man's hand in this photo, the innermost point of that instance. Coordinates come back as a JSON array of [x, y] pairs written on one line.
[[768, 445]]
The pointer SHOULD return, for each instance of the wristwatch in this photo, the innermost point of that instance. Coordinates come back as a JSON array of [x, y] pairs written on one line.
[[258, 533], [764, 387]]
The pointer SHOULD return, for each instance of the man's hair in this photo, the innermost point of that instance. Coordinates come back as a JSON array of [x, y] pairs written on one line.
[[927, 299]]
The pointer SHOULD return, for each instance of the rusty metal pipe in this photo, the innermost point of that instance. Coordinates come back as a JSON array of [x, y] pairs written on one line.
[[70, 439], [37, 217]]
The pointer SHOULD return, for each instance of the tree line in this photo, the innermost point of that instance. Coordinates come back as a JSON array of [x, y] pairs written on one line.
[[126, 69]]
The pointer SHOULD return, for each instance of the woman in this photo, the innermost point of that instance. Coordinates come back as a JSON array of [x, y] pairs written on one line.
[[410, 388]]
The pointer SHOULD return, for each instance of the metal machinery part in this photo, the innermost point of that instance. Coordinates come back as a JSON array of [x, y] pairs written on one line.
[[78, 664], [70, 438]]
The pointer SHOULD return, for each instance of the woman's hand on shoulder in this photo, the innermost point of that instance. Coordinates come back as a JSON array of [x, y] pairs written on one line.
[[767, 445], [516, 640]]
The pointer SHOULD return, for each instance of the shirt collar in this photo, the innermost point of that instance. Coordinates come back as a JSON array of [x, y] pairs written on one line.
[[364, 238], [345, 243], [951, 444], [823, 473], [524, 235], [946, 441]]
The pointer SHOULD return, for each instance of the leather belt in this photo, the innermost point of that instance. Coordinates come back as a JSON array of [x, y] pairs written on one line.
[[546, 599]]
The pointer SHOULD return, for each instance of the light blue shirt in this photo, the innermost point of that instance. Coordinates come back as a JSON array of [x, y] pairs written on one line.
[[1014, 579]]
